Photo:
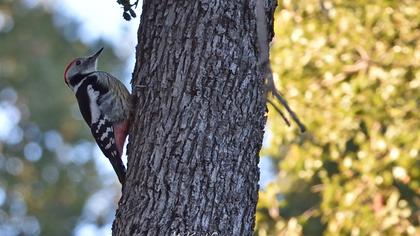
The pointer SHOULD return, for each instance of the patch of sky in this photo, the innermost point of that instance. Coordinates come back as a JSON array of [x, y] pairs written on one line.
[[32, 152]]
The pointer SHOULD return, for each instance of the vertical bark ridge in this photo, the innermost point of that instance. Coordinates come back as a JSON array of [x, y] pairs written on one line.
[[198, 121]]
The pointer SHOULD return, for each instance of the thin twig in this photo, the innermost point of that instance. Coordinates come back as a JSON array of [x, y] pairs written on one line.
[[283, 101], [265, 65], [279, 111]]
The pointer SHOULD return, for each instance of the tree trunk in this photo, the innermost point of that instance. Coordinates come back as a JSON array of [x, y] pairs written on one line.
[[198, 122]]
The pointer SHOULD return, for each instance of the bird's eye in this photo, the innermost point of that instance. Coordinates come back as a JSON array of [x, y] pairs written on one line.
[[78, 62]]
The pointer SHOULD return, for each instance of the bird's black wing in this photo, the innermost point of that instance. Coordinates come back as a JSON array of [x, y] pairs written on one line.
[[103, 132]]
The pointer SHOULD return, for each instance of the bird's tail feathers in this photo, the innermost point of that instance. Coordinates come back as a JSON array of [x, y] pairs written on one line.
[[119, 168]]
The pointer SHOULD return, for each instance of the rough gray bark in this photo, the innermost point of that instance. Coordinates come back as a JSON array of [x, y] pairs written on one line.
[[198, 122]]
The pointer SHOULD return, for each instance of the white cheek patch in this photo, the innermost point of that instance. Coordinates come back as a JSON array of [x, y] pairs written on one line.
[[94, 108]]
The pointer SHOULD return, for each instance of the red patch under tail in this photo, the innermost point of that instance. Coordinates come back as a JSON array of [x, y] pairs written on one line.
[[120, 131]]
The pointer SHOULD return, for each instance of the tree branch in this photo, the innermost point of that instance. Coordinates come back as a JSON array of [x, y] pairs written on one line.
[[265, 65]]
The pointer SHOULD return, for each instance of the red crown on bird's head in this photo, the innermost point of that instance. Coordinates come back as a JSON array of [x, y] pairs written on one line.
[[67, 68]]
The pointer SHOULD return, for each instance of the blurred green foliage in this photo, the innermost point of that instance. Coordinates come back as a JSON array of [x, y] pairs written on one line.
[[46, 167], [351, 70]]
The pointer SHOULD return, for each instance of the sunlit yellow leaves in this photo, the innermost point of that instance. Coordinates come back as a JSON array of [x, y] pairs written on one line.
[[351, 71]]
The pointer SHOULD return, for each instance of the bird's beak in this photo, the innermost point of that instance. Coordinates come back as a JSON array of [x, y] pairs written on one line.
[[96, 55]]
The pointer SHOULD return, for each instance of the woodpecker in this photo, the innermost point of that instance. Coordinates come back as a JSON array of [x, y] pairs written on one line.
[[104, 103]]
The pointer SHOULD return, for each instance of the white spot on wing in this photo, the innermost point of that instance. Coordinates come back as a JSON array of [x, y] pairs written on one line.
[[100, 123], [105, 134]]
